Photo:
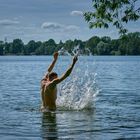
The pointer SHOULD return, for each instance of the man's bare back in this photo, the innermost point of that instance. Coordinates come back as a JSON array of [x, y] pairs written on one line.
[[49, 85]]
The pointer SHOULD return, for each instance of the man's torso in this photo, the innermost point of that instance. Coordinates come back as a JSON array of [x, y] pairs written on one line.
[[49, 95]]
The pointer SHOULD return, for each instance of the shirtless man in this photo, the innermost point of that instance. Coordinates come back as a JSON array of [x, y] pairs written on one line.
[[49, 85]]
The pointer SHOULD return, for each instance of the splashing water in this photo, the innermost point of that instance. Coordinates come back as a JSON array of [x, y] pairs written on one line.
[[89, 52], [79, 91], [62, 51], [76, 50]]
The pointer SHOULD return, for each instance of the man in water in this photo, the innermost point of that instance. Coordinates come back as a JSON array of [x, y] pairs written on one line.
[[49, 85]]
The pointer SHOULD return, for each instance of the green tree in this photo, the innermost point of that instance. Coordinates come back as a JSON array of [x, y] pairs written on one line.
[[8, 48], [130, 44], [114, 45], [1, 47], [32, 46], [69, 46], [38, 45], [48, 47], [17, 46], [103, 48], [106, 39], [91, 44], [40, 50], [115, 12]]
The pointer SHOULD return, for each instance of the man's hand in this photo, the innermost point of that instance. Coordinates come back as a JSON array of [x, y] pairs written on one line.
[[55, 55], [75, 58]]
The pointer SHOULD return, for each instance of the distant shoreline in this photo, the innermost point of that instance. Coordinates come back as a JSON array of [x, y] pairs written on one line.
[[71, 55], [126, 45]]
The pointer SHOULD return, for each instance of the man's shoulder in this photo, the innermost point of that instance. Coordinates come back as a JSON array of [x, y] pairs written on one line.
[[44, 82], [50, 85]]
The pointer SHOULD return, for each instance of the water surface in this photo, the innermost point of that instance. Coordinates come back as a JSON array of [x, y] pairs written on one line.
[[114, 114]]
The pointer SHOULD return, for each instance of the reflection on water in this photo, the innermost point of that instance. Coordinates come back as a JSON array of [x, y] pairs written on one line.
[[68, 124], [49, 126]]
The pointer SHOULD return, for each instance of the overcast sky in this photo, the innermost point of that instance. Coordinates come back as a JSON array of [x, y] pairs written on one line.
[[45, 19]]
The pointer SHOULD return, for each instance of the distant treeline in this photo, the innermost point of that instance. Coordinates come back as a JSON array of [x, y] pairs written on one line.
[[128, 44]]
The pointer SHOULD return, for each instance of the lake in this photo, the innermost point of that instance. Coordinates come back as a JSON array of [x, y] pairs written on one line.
[[100, 100]]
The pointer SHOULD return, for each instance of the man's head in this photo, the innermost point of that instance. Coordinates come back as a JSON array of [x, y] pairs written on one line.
[[52, 76]]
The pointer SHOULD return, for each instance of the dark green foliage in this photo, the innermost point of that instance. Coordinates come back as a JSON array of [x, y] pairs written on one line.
[[1, 47], [128, 44], [49, 47], [115, 12], [103, 48], [92, 44], [31, 47], [17, 47]]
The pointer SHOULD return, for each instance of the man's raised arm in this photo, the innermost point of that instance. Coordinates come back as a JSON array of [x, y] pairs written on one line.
[[66, 74], [55, 55]]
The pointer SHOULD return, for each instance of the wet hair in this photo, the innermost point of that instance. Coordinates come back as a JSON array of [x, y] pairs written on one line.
[[52, 74]]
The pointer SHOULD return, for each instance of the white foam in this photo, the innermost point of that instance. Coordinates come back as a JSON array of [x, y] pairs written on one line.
[[78, 92], [76, 51], [62, 51]]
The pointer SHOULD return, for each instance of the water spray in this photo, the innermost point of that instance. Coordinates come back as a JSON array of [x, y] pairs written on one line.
[[79, 90]]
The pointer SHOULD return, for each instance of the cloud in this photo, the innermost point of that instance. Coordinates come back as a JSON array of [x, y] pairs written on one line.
[[76, 13], [7, 22], [71, 28], [51, 26]]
